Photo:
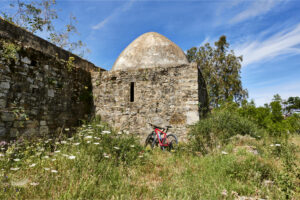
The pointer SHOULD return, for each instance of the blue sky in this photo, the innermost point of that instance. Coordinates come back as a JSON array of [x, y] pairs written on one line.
[[265, 32]]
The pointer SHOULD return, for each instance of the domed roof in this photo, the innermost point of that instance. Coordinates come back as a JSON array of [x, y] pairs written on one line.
[[150, 50]]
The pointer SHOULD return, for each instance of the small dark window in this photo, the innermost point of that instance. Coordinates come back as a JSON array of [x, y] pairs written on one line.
[[132, 92]]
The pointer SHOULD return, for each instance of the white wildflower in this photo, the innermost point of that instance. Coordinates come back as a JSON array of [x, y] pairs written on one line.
[[131, 146], [56, 142], [57, 151], [46, 157], [14, 169], [83, 125], [96, 138], [271, 145], [53, 159], [47, 169], [224, 152], [277, 145], [1, 155], [65, 155], [54, 171], [67, 129], [16, 159], [119, 133], [63, 142], [88, 137], [116, 148], [76, 144], [72, 157], [141, 156], [71, 138], [99, 125], [32, 165], [88, 142], [34, 184], [96, 143], [105, 132], [106, 156]]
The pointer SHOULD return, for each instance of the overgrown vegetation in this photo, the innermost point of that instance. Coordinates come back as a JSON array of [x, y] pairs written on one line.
[[100, 163]]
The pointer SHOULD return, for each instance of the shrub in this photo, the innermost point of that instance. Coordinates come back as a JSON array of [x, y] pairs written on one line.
[[218, 127]]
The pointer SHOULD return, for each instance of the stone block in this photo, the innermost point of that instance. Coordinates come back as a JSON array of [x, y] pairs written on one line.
[[2, 103], [13, 132], [2, 131], [7, 116], [26, 60], [50, 93], [44, 130], [5, 85]]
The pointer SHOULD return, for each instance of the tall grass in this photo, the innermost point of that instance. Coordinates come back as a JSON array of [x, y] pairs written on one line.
[[99, 163]]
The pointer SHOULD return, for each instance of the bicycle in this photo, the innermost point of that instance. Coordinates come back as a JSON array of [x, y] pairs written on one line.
[[155, 138]]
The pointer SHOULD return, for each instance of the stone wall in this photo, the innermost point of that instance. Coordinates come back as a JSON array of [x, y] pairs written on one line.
[[162, 96], [39, 91]]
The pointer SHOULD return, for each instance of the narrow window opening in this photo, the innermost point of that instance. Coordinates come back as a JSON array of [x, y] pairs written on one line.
[[132, 92]]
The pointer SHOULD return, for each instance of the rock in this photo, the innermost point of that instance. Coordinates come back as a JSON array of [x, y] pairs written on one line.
[[13, 132], [5, 85], [2, 103], [50, 93], [44, 130], [26, 60], [7, 116], [2, 131]]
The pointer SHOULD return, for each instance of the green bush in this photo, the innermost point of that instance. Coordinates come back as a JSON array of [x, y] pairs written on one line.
[[218, 127]]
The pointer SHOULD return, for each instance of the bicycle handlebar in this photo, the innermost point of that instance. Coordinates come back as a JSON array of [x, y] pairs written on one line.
[[154, 126]]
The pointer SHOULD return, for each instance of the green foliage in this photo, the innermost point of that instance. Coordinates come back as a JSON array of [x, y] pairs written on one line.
[[287, 178], [221, 71], [9, 51], [40, 16], [70, 63], [219, 127], [292, 103]]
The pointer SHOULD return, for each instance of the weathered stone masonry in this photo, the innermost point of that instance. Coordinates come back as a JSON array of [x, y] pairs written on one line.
[[40, 85], [41, 93], [163, 96]]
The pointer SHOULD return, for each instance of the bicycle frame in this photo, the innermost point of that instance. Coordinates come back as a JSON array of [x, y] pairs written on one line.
[[163, 139]]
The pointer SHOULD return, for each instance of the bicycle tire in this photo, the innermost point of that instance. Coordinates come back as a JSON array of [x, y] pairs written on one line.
[[173, 142], [149, 140]]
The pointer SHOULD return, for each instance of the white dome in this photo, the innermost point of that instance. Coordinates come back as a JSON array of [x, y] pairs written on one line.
[[150, 50]]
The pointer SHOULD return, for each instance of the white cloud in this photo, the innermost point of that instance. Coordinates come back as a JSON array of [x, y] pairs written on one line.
[[264, 95], [115, 13], [282, 43], [255, 8]]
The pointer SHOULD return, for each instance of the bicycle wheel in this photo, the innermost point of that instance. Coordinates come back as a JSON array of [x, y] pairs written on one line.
[[173, 142], [149, 140]]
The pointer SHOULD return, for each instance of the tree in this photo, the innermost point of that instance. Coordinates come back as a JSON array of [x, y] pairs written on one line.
[[221, 71], [292, 103], [39, 15]]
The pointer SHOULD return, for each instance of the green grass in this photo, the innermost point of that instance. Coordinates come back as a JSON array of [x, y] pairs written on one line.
[[107, 165]]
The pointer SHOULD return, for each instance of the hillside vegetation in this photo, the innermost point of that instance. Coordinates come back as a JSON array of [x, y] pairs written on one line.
[[228, 156]]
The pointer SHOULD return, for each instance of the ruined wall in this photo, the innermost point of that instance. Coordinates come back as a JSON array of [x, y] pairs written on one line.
[[39, 91], [162, 96]]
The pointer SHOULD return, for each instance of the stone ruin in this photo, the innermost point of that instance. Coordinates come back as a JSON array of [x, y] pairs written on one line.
[[150, 82]]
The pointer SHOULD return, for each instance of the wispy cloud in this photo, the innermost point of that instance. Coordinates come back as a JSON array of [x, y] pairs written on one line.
[[282, 43], [114, 14], [255, 9], [264, 95]]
